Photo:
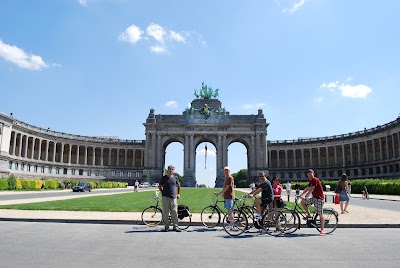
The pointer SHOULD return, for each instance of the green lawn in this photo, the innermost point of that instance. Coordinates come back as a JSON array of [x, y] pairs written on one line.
[[195, 198]]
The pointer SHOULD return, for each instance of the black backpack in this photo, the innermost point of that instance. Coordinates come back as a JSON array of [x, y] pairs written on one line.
[[183, 211]]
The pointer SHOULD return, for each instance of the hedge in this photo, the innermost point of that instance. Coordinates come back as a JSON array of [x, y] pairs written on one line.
[[374, 186], [14, 183]]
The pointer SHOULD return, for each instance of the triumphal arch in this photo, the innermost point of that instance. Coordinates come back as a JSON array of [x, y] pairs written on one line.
[[205, 121]]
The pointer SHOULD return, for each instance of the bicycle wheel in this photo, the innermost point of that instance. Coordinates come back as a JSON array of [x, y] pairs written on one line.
[[210, 217], [274, 222], [249, 210], [239, 224], [184, 223], [331, 221], [292, 221], [152, 216]]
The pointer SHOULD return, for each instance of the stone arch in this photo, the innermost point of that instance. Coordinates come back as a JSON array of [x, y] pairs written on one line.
[[205, 121]]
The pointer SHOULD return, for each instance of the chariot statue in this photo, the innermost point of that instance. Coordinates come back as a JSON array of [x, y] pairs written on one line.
[[206, 92]]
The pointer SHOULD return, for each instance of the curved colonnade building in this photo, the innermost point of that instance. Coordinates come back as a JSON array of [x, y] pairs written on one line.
[[32, 152], [370, 153]]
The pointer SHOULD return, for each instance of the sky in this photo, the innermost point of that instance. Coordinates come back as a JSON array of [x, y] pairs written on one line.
[[96, 67]]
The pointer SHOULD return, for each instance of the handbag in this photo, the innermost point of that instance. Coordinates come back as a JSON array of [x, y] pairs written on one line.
[[337, 199]]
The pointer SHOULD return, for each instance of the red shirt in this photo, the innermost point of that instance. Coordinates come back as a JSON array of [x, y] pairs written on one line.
[[277, 191], [318, 191]]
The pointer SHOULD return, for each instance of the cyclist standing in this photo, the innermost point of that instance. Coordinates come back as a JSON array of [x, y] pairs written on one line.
[[229, 193], [267, 195], [170, 188], [314, 187]]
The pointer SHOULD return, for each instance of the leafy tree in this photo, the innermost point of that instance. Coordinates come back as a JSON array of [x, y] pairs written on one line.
[[241, 178]]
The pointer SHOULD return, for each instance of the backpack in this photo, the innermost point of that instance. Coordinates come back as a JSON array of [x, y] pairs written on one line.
[[183, 211]]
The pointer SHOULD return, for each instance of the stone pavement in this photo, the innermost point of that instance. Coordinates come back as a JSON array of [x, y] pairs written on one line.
[[359, 216]]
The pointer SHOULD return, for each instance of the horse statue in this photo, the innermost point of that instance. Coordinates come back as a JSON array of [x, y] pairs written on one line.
[[196, 94], [215, 94]]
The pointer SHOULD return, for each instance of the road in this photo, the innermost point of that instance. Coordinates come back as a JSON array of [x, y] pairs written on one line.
[[103, 245]]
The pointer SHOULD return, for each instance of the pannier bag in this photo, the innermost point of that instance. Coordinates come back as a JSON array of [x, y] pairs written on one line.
[[183, 211]]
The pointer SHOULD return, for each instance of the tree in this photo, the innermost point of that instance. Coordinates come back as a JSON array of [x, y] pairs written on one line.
[[241, 178]]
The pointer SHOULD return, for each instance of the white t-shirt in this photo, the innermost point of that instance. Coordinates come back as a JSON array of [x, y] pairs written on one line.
[[288, 186], [136, 183]]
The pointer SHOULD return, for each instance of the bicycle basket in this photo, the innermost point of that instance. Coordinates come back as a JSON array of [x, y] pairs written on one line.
[[183, 211]]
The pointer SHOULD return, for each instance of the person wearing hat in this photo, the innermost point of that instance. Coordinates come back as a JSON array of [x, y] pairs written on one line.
[[315, 189]]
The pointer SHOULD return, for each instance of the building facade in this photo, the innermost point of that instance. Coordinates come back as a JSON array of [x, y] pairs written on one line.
[[31, 152]]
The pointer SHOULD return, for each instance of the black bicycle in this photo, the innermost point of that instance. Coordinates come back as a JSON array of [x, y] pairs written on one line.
[[211, 215], [152, 216], [273, 221], [294, 223]]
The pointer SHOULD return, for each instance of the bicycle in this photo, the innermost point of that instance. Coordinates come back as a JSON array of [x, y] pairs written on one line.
[[239, 223], [211, 215], [294, 223], [152, 215], [273, 222]]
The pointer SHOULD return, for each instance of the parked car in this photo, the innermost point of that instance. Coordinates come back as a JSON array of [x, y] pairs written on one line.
[[155, 184], [82, 186], [144, 185]]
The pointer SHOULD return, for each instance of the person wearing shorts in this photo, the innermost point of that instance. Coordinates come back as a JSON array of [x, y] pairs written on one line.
[[229, 193], [314, 187], [267, 195]]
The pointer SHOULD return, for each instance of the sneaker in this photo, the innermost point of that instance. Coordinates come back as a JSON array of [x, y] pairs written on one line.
[[257, 216], [166, 229]]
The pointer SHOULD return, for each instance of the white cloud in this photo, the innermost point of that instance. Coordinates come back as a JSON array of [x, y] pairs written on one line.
[[320, 99], [156, 31], [171, 104], [294, 6], [83, 3], [202, 152], [21, 58], [177, 37], [359, 91], [347, 90], [132, 34], [252, 106], [158, 49], [157, 37]]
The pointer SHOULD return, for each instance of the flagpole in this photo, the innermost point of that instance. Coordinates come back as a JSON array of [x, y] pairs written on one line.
[[205, 158]]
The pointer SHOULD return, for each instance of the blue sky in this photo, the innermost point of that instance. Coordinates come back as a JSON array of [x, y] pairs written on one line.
[[96, 67]]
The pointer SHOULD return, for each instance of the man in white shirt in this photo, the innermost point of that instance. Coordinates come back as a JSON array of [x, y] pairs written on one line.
[[288, 189]]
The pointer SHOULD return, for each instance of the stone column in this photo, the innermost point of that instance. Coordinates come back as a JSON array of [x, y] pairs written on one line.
[[351, 154], [286, 159], [373, 150], [109, 156], [70, 153], [15, 143], [393, 147], [54, 152], [102, 157], [77, 154], [26, 147], [20, 145], [366, 151], [343, 156], [319, 155], [62, 153], [327, 156], [94, 156], [387, 147], [359, 152], [40, 149], [117, 157], [85, 159], [302, 157], [380, 149], [335, 154]]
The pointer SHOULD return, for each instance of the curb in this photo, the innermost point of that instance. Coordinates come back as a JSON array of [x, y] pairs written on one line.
[[137, 222]]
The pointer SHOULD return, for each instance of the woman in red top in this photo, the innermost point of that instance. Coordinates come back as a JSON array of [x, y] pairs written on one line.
[[277, 187]]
